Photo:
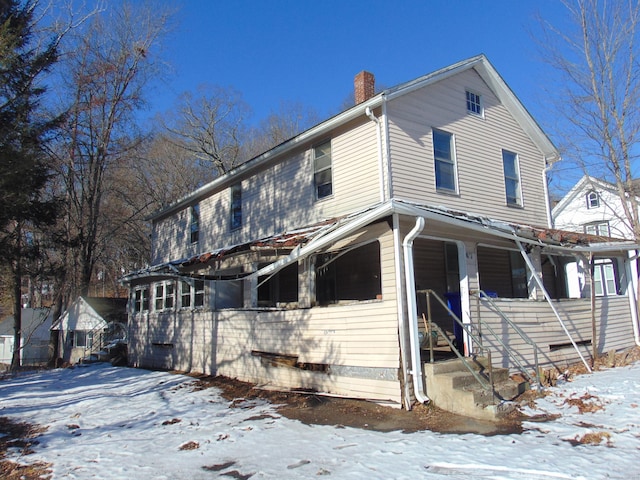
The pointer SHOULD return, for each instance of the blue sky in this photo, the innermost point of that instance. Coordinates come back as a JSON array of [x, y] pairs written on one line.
[[309, 51]]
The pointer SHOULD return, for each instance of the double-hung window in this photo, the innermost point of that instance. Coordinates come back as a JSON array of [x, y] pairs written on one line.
[[141, 299], [165, 296], [512, 178], [185, 294], [322, 177], [191, 293], [445, 161], [604, 277], [195, 223], [236, 206]]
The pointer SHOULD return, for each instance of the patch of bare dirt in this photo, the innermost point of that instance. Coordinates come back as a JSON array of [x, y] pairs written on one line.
[[315, 409], [21, 436]]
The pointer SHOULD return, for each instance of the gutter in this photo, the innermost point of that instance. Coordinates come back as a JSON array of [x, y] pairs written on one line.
[[412, 310], [375, 120]]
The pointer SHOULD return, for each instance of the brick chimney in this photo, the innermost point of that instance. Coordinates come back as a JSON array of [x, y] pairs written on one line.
[[364, 85]]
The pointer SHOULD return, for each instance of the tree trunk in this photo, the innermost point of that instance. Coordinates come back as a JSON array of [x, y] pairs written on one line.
[[17, 315]]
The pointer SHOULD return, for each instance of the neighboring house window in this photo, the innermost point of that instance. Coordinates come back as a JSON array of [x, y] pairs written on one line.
[[195, 223], [512, 178], [502, 272], [82, 339], [141, 299], [599, 228], [165, 296], [236, 206], [605, 281], [279, 288], [593, 199], [474, 103], [349, 275], [322, 177], [444, 159]]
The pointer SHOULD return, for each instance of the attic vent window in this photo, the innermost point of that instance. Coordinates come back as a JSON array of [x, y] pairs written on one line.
[[593, 199], [474, 103]]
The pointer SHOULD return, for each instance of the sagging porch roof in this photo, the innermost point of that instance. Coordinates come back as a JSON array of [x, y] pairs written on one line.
[[311, 239]]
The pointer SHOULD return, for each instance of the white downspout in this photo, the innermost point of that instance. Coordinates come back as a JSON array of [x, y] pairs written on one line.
[[402, 329], [412, 310], [375, 120], [547, 202], [537, 279]]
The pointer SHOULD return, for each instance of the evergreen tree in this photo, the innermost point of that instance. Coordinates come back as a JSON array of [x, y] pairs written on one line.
[[24, 132]]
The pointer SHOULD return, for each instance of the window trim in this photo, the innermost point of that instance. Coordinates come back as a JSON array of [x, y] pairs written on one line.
[[235, 206], [598, 228], [194, 223], [166, 300], [474, 101], [317, 171], [593, 199], [141, 299], [195, 294], [516, 166], [601, 267], [452, 161]]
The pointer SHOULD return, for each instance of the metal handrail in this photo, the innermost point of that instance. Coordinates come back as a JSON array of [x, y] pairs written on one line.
[[481, 295], [467, 328]]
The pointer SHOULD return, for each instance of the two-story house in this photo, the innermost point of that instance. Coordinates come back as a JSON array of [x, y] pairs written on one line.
[[318, 264]]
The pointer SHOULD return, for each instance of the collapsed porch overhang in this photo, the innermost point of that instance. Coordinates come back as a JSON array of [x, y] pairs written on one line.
[[311, 239]]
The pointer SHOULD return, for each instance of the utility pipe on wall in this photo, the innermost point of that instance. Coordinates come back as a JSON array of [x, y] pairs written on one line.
[[416, 362], [375, 120]]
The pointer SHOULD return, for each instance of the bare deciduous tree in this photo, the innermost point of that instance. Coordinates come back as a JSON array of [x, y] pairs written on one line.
[[108, 66], [599, 92]]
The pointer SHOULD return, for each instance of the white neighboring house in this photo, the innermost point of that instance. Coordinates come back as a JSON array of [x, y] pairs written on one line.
[[86, 326], [593, 206], [35, 339]]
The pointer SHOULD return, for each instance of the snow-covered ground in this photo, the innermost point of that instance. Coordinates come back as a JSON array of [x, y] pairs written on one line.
[[114, 423]]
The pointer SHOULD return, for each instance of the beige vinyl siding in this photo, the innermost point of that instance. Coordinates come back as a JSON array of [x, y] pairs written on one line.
[[613, 326], [362, 336], [280, 197], [478, 149]]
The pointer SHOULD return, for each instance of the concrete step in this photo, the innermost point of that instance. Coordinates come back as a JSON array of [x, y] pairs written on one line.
[[452, 387]]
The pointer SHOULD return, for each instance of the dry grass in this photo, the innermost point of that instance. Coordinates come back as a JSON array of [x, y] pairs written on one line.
[[21, 436]]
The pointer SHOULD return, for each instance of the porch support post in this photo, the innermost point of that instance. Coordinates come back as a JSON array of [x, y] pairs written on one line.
[[538, 280]]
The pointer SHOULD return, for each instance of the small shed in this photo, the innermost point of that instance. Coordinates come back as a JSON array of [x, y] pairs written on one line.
[[88, 326]]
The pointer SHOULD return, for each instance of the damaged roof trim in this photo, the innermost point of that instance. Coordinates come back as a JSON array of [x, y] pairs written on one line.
[[310, 240]]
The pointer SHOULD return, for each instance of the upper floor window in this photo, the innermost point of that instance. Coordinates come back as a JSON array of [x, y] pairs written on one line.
[[445, 161], [598, 228], [195, 223], [511, 178], [141, 299], [236, 206], [593, 199], [474, 103], [322, 178]]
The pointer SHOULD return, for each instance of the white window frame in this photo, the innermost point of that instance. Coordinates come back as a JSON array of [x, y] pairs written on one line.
[[440, 160], [598, 228], [593, 199], [141, 299], [194, 224], [512, 177], [605, 268], [164, 295], [322, 166], [474, 103], [235, 206]]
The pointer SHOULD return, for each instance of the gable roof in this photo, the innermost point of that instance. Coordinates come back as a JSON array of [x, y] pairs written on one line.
[[105, 308], [479, 63], [585, 184]]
